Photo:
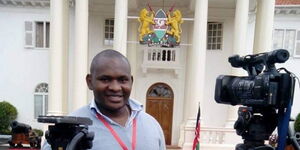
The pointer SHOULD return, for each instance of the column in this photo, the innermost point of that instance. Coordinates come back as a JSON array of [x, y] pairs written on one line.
[[132, 52], [59, 23], [196, 72], [264, 26], [120, 27], [197, 57], [239, 47], [79, 93]]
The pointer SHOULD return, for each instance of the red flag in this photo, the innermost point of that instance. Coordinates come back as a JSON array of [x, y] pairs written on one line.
[[196, 143]]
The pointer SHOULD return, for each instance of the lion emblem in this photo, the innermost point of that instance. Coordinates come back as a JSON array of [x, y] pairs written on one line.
[[145, 19], [175, 21]]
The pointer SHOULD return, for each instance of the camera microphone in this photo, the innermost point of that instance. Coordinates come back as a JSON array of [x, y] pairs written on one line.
[[278, 56]]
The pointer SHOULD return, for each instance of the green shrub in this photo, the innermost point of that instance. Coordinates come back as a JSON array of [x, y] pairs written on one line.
[[297, 123], [38, 132], [8, 113]]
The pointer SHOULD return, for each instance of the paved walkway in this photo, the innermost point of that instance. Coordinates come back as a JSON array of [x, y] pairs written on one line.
[[172, 147], [4, 147]]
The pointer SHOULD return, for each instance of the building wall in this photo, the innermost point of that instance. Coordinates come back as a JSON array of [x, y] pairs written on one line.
[[21, 69]]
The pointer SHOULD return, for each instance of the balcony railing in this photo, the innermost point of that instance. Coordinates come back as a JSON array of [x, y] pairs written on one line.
[[211, 138], [161, 58]]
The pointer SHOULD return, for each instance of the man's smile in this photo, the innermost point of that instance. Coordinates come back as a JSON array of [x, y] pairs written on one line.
[[114, 98]]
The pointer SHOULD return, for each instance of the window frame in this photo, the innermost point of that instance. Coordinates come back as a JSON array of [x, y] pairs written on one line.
[[44, 100], [221, 36], [33, 32], [283, 40], [44, 104], [109, 41]]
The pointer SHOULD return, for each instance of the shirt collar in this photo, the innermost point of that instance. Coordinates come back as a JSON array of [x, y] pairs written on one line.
[[134, 105]]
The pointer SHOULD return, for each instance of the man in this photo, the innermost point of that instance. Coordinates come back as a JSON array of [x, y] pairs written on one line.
[[118, 121]]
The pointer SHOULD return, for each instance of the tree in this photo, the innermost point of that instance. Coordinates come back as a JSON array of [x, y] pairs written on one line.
[[8, 113], [297, 123]]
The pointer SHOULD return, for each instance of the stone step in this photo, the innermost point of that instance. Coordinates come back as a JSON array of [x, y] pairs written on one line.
[[173, 147]]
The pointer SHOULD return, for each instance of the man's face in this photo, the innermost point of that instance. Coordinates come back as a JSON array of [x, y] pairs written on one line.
[[111, 83]]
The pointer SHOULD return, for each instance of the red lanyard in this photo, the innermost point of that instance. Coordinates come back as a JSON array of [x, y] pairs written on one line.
[[114, 133]]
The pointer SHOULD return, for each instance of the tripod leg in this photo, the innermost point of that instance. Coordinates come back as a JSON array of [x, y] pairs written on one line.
[[292, 140]]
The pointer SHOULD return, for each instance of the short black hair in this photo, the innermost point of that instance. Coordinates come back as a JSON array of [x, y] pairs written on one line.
[[108, 53]]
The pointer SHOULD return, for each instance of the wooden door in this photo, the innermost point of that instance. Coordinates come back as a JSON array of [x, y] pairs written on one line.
[[160, 105]]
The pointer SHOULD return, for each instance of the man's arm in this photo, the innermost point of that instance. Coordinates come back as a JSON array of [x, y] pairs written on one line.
[[162, 142]]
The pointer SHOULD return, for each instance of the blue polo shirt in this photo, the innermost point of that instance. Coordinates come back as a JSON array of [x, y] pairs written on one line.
[[149, 133]]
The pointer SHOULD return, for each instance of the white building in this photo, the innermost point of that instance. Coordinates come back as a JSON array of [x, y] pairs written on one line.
[[52, 42]]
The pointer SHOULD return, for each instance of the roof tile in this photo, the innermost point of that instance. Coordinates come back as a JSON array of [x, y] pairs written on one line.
[[287, 2]]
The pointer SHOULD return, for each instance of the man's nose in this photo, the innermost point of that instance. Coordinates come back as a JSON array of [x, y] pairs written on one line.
[[114, 86]]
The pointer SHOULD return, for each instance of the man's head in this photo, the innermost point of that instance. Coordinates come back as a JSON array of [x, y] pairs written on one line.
[[110, 80]]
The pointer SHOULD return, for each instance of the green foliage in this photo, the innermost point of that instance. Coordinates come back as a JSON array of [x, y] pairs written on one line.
[[38, 132], [297, 123], [8, 113]]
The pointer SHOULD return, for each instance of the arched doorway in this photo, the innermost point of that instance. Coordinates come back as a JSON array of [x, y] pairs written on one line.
[[160, 105]]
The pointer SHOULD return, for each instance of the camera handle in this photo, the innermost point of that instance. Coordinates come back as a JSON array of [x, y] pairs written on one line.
[[83, 136]]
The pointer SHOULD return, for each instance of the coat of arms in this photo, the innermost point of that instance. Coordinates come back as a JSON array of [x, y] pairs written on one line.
[[160, 28]]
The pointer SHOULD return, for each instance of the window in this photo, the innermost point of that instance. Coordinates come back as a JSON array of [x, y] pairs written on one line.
[[214, 35], [287, 39], [109, 31], [160, 90], [37, 34], [41, 100]]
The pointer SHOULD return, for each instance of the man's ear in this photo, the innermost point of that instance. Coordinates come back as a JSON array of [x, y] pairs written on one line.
[[131, 79], [88, 80]]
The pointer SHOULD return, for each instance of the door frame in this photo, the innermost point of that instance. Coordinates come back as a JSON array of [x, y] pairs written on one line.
[[171, 98]]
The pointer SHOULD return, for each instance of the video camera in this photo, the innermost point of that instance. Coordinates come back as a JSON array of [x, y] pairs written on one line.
[[259, 89], [266, 93], [70, 133]]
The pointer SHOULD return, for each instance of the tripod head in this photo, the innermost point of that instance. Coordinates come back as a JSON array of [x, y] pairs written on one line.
[[255, 125], [70, 133]]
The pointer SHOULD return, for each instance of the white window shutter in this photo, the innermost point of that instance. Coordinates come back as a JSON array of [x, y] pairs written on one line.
[[29, 38]]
